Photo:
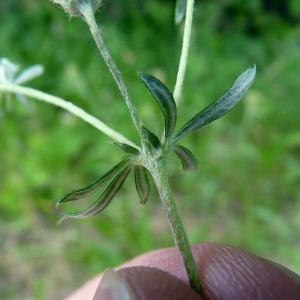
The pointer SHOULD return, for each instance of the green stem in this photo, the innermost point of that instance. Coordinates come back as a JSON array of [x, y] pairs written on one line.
[[158, 171], [68, 106], [96, 33], [184, 51]]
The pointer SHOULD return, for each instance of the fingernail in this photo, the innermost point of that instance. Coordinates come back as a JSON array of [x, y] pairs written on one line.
[[114, 287]]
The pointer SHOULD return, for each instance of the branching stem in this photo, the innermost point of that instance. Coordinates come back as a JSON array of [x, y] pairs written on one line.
[[159, 173], [68, 106], [96, 33], [184, 51]]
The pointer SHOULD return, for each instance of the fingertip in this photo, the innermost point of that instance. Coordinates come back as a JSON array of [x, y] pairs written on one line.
[[152, 283], [232, 273], [113, 286], [143, 283]]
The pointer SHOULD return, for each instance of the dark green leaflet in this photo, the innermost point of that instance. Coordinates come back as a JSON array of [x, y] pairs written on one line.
[[188, 160], [127, 148], [142, 183], [90, 189], [104, 199], [151, 142], [221, 106], [165, 100]]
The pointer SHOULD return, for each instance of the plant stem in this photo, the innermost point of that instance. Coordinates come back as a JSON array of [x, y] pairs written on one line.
[[68, 106], [184, 51], [96, 33], [159, 173]]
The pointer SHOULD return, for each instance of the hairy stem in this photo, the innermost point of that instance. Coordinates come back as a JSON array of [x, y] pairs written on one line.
[[184, 51], [96, 33], [68, 106], [158, 171]]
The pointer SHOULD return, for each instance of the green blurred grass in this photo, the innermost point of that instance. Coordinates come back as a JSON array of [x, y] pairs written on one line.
[[246, 191]]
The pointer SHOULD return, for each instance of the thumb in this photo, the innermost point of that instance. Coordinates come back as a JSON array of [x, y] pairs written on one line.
[[142, 283], [226, 272]]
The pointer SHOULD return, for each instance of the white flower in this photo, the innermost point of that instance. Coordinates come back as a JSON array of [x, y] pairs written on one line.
[[9, 75]]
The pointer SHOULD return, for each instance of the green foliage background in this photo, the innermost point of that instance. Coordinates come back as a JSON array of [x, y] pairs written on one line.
[[246, 192]]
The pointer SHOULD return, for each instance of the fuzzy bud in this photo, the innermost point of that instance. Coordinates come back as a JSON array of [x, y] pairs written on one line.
[[76, 8]]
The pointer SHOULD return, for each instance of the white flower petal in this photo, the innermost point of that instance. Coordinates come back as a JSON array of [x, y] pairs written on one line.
[[8, 70], [23, 100], [29, 74]]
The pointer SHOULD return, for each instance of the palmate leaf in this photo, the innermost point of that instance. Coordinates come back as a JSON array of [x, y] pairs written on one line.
[[220, 107], [90, 189], [142, 183], [180, 9], [165, 100], [104, 199], [188, 160]]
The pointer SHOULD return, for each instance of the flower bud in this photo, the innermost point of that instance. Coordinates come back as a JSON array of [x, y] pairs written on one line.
[[76, 7]]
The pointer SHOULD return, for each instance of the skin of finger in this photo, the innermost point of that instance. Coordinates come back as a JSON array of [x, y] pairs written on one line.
[[228, 272], [209, 257], [87, 291], [233, 273], [152, 284]]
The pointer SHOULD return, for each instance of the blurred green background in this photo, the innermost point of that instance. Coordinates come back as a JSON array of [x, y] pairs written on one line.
[[246, 192]]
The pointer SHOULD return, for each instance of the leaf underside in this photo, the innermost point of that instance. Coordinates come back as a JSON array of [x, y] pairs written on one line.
[[90, 189], [104, 199], [221, 106], [142, 183], [188, 160]]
